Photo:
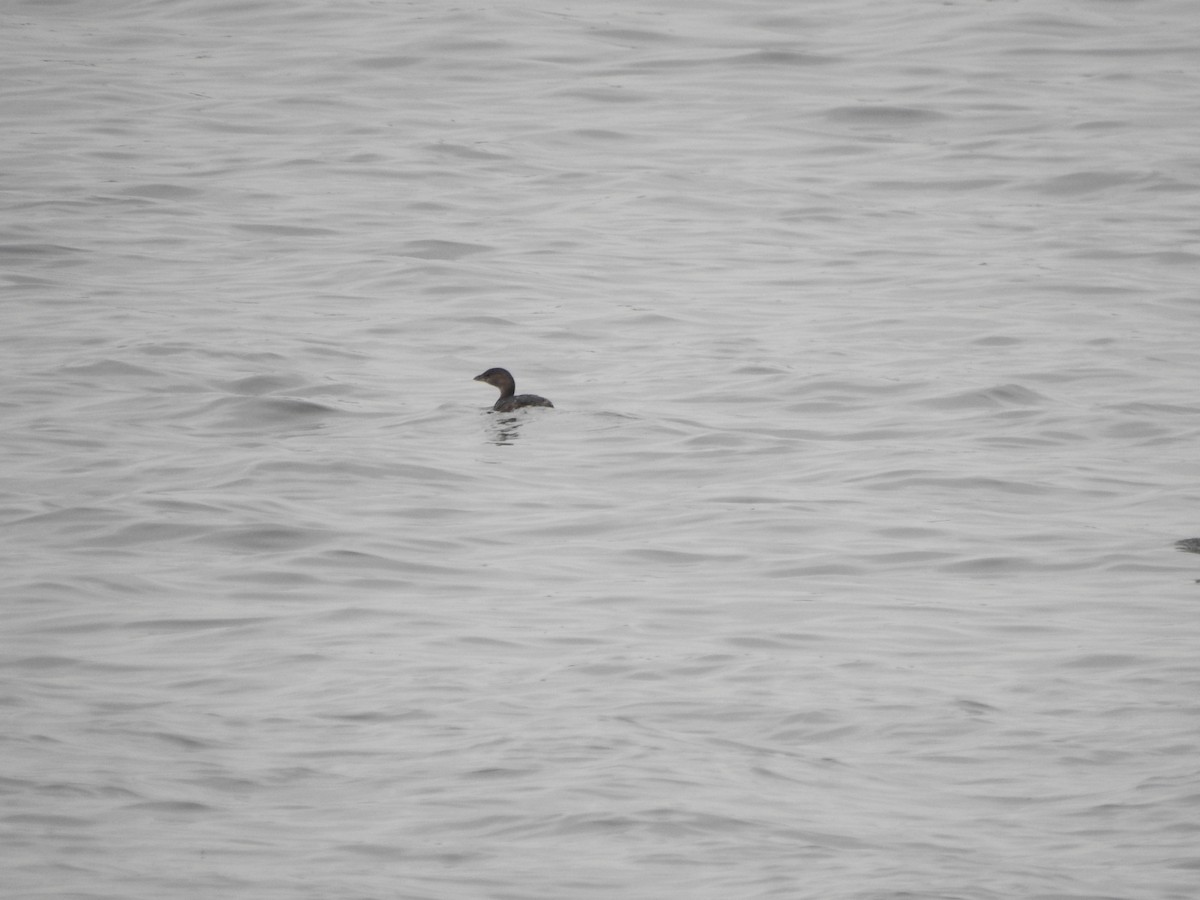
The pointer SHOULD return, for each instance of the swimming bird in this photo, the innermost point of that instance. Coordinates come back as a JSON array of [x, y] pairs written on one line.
[[509, 398]]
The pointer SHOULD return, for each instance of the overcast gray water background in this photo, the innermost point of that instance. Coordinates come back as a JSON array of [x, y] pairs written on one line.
[[844, 567]]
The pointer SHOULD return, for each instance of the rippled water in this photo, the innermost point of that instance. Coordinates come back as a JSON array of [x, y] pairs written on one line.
[[844, 567]]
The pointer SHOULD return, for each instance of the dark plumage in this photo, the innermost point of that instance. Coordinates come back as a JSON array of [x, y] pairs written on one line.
[[509, 398]]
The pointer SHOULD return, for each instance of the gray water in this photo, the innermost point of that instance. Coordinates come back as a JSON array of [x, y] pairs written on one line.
[[843, 568]]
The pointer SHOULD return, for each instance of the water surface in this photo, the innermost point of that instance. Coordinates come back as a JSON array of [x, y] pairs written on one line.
[[843, 568]]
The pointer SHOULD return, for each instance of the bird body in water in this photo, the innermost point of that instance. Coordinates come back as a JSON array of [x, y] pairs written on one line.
[[509, 398]]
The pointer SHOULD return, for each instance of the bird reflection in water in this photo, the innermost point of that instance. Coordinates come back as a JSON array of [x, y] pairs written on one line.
[[504, 430]]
